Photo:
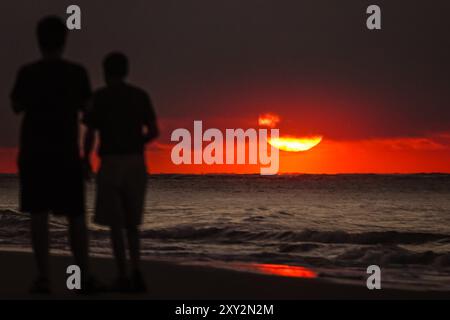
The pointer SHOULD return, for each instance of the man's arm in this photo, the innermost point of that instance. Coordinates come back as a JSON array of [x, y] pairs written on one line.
[[89, 140], [85, 90], [17, 106], [88, 146], [150, 124], [20, 92], [151, 131], [89, 120]]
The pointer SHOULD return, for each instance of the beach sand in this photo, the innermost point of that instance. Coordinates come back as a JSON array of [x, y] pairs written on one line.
[[174, 281]]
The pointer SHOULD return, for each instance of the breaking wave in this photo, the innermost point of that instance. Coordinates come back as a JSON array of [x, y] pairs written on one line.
[[13, 223]]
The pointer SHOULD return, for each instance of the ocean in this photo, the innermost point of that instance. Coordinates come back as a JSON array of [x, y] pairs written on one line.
[[336, 225]]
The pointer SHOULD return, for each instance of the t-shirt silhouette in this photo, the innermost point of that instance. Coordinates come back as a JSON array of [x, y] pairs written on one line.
[[119, 113], [51, 94]]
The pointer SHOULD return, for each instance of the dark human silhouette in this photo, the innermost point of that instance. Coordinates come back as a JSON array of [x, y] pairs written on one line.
[[125, 119], [51, 93]]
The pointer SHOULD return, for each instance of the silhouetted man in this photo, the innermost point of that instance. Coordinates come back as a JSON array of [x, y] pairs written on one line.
[[124, 117], [50, 93]]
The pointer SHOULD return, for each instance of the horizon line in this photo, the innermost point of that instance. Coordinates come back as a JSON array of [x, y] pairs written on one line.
[[278, 174]]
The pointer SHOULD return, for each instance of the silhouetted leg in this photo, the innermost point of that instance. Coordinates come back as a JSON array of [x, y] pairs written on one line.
[[134, 247], [40, 242], [137, 279], [79, 243], [118, 244]]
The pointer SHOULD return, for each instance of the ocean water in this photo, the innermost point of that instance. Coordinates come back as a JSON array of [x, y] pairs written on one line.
[[336, 225]]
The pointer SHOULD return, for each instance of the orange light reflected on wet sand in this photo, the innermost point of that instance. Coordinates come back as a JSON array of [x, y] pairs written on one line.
[[279, 270]]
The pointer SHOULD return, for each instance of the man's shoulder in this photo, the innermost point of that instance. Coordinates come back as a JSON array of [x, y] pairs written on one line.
[[136, 91], [74, 66], [29, 67], [131, 90], [35, 66]]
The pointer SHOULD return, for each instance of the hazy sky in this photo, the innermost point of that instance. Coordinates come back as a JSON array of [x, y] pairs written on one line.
[[311, 61]]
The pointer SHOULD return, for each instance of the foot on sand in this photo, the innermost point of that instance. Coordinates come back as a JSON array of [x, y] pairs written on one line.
[[137, 282], [91, 286], [40, 286], [121, 284]]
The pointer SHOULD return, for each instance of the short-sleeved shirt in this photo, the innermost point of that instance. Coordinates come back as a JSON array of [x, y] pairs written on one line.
[[119, 113], [51, 94]]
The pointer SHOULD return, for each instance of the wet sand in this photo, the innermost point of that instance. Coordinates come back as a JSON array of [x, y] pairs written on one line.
[[174, 281]]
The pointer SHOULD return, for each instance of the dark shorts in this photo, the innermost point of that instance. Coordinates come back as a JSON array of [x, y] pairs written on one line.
[[121, 188], [51, 185]]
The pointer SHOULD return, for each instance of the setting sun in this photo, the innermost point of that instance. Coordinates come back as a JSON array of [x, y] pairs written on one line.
[[294, 144]]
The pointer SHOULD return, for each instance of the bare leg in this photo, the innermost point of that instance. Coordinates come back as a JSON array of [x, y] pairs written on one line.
[[134, 247], [118, 244], [41, 242], [79, 243]]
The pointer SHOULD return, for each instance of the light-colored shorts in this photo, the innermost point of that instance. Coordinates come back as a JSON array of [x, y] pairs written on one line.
[[121, 188]]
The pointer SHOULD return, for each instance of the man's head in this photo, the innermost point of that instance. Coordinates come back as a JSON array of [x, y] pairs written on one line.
[[51, 33], [115, 67]]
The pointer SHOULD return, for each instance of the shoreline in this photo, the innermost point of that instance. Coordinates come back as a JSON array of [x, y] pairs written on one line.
[[171, 281]]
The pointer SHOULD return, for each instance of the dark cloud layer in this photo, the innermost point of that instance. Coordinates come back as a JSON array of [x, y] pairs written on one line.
[[189, 53]]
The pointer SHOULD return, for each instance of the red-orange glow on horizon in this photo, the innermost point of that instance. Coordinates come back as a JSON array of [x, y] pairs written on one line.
[[284, 270], [423, 154], [268, 120], [294, 144]]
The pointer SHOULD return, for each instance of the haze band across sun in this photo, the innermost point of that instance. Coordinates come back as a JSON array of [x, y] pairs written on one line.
[[237, 146], [287, 143]]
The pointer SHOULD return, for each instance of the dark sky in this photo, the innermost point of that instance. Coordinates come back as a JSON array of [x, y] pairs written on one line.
[[313, 62]]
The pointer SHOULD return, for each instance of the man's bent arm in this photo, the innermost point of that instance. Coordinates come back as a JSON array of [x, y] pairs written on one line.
[[17, 106], [89, 140]]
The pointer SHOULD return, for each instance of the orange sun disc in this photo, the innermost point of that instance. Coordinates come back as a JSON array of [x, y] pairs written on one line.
[[293, 144]]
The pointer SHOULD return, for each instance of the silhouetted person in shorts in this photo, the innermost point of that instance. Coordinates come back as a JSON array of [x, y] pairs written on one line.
[[51, 93], [125, 119]]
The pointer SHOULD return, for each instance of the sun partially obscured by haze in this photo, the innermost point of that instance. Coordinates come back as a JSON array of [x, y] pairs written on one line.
[[287, 142], [295, 144]]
